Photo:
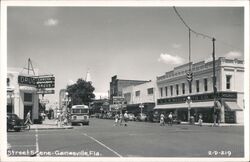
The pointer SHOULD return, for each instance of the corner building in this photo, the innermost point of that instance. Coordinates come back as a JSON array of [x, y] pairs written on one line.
[[173, 89], [21, 98]]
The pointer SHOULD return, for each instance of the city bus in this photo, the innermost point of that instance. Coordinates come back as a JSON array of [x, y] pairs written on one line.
[[80, 114]]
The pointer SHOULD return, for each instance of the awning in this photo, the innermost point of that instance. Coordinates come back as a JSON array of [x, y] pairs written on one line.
[[233, 106], [208, 104]]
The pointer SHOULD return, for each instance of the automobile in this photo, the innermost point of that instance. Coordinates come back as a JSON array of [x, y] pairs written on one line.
[[14, 122], [141, 117], [131, 117], [176, 120]]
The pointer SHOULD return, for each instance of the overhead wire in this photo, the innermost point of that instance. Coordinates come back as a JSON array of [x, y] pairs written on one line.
[[202, 34], [189, 28]]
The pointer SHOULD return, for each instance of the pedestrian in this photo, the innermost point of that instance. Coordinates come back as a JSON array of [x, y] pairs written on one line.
[[215, 118], [65, 120], [126, 118], [121, 119], [162, 119], [28, 118], [170, 117], [200, 120], [116, 119]]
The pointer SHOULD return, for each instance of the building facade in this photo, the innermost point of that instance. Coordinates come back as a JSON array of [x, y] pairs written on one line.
[[116, 85], [174, 89], [21, 94], [140, 98], [117, 101]]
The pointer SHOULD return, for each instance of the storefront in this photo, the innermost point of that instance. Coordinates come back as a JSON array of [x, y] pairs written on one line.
[[21, 97], [174, 89], [230, 112], [147, 108], [23, 92]]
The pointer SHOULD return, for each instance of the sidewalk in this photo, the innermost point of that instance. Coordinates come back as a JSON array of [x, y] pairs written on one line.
[[48, 125], [212, 124]]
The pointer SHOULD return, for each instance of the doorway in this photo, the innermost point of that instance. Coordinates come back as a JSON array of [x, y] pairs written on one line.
[[28, 108]]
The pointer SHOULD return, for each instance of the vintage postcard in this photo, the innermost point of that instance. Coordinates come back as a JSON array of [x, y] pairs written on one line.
[[124, 80]]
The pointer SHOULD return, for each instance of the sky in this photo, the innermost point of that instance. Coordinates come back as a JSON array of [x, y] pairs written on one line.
[[130, 42]]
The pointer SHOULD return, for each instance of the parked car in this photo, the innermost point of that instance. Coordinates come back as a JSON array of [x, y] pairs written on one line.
[[141, 117], [131, 117], [176, 120], [14, 122]]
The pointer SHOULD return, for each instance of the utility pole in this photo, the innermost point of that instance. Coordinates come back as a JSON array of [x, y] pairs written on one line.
[[214, 81], [189, 75]]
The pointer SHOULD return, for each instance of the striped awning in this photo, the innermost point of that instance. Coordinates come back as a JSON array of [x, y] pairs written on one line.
[[208, 104]]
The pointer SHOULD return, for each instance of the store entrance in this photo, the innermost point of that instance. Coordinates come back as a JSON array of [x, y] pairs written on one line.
[[230, 117], [28, 108]]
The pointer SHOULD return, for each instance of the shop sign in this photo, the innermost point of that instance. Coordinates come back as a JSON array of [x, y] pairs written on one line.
[[45, 85], [118, 100], [46, 79], [46, 82], [197, 98], [51, 91], [39, 82], [26, 80]]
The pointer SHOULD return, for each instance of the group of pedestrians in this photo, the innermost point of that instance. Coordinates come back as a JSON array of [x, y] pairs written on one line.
[[121, 119], [169, 118]]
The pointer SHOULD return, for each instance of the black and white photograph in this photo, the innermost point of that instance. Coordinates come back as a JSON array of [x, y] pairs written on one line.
[[132, 81]]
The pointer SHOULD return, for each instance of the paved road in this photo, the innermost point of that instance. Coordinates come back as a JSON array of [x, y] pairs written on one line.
[[138, 139]]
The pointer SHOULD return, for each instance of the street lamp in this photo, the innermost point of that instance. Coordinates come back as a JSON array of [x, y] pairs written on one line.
[[141, 106], [189, 101]]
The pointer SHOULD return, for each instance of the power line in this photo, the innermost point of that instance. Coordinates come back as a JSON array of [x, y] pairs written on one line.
[[189, 28], [201, 34]]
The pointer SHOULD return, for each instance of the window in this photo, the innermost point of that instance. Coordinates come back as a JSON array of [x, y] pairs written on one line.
[[177, 89], [197, 86], [171, 90], [190, 87], [228, 81], [161, 91], [27, 97], [205, 84], [150, 91], [183, 88], [166, 91], [137, 93]]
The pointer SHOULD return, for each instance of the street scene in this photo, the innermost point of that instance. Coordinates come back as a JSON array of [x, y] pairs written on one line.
[[102, 139], [128, 81]]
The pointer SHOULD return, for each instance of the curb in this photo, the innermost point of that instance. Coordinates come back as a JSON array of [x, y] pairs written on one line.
[[211, 125], [52, 128]]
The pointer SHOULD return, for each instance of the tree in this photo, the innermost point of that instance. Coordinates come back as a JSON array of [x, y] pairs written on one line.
[[81, 92]]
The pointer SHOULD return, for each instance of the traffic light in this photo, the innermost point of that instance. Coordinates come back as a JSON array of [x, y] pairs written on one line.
[[189, 76]]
